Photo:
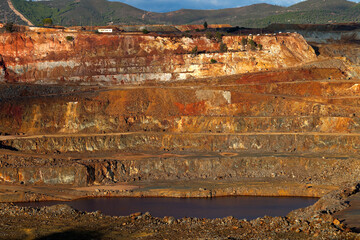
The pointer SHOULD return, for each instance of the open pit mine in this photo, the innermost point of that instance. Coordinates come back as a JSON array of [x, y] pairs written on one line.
[[177, 115]]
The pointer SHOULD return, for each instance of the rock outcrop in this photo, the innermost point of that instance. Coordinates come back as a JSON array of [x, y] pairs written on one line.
[[170, 113], [116, 59]]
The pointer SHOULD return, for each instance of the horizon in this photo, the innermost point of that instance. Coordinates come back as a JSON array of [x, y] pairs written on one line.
[[162, 6]]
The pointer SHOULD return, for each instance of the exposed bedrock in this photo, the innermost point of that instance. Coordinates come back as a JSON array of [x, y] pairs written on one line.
[[323, 106], [299, 125], [244, 143], [310, 170], [75, 175], [117, 59]]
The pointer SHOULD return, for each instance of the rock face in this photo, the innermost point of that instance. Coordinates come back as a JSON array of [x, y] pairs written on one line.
[[117, 59], [168, 113]]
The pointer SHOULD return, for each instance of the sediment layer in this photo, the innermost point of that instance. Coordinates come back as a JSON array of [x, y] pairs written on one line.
[[279, 115], [118, 59]]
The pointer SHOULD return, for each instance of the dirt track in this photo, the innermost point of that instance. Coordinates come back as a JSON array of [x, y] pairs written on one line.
[[18, 13]]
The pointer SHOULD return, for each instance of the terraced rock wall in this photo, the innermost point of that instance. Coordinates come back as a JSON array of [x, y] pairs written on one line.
[[235, 120], [117, 59]]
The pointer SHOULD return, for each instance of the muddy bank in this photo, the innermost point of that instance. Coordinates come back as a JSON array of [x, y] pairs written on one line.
[[62, 221], [241, 207]]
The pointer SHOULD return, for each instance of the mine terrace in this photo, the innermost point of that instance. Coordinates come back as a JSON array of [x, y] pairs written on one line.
[[179, 111]]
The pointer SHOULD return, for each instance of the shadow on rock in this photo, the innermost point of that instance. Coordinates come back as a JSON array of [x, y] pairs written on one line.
[[2, 146], [73, 235]]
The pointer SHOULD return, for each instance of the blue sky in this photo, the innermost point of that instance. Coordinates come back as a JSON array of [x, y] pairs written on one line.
[[172, 5]]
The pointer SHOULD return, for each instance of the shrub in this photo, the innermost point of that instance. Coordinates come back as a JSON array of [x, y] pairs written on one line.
[[223, 47], [194, 51], [70, 38], [145, 31], [244, 41], [209, 35], [213, 61], [260, 47], [9, 27], [205, 25], [47, 22], [218, 36], [253, 44]]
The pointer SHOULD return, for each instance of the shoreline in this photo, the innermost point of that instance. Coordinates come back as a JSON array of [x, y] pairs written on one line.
[[168, 189], [314, 222]]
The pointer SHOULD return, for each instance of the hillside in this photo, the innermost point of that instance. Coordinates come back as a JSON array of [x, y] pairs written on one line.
[[234, 16], [317, 14], [100, 12], [103, 12], [6, 15], [331, 5], [83, 12]]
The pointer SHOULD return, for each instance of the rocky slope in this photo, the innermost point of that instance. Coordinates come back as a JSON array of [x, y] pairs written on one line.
[[116, 59], [278, 115]]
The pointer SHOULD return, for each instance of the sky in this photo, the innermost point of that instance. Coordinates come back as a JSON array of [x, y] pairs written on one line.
[[172, 5]]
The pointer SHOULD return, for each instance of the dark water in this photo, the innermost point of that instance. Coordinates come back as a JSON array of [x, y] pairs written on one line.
[[239, 207]]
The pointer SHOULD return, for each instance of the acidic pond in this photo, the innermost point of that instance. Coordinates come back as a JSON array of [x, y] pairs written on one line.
[[239, 207]]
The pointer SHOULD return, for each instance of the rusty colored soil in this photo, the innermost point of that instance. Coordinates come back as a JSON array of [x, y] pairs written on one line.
[[145, 116]]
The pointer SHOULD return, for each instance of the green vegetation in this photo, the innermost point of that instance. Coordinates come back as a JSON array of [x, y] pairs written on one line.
[[244, 41], [85, 12], [310, 17], [70, 38], [218, 36], [102, 12], [209, 35], [194, 51], [330, 5], [223, 47], [252, 44], [47, 22], [312, 12], [36, 12], [7, 15], [213, 61], [205, 25], [145, 31]]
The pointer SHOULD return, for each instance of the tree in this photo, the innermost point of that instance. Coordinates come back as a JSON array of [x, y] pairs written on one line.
[[47, 22], [205, 25]]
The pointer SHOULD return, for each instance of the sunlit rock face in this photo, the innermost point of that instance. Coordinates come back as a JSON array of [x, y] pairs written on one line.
[[269, 113], [118, 59]]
